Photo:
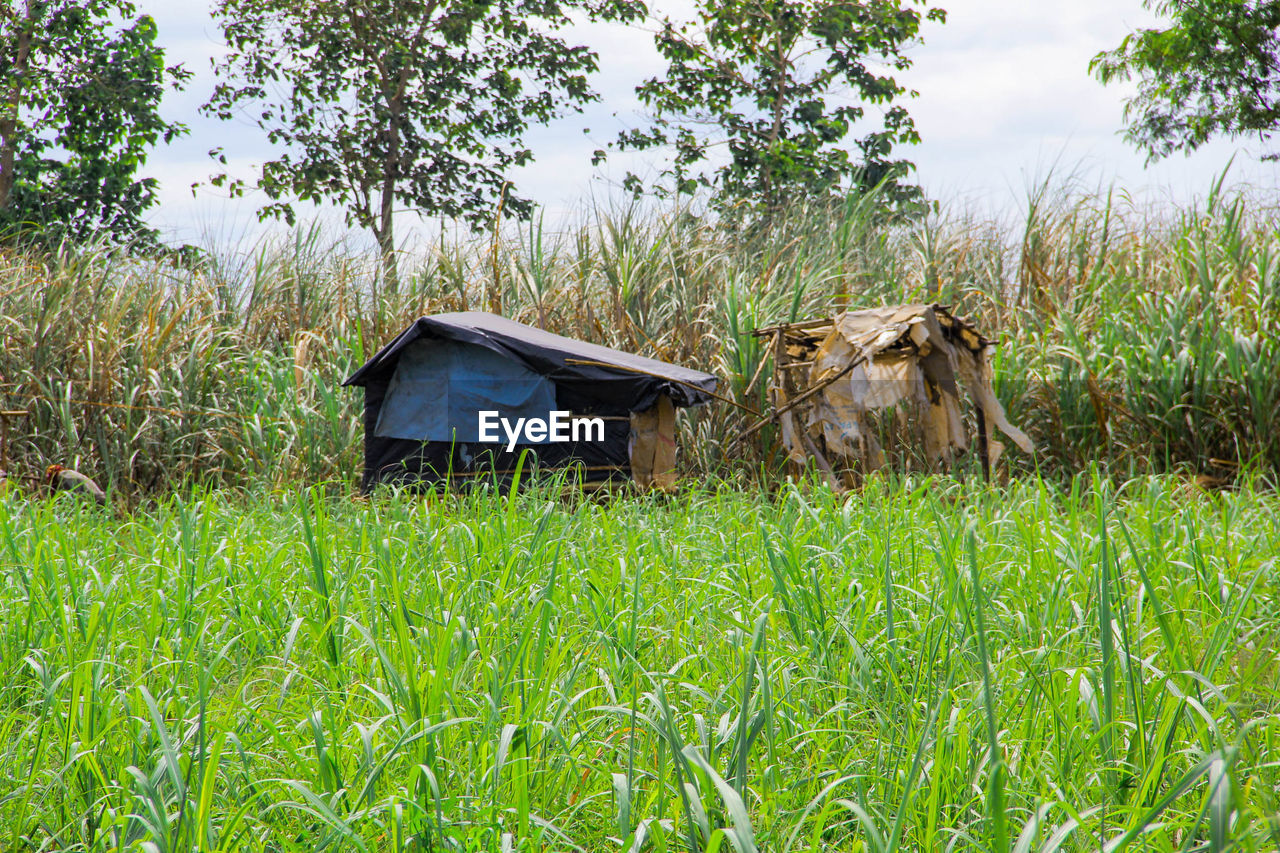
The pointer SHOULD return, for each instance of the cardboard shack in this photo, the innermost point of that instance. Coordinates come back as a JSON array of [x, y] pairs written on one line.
[[845, 387], [461, 395]]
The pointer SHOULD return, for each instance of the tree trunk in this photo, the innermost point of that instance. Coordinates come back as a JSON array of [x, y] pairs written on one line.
[[385, 232], [13, 105], [780, 97], [390, 171]]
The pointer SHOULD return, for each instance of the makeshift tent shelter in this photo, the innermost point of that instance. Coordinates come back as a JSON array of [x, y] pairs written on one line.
[[424, 392], [835, 379]]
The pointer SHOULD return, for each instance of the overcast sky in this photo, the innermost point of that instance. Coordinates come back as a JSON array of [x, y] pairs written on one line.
[[1005, 94]]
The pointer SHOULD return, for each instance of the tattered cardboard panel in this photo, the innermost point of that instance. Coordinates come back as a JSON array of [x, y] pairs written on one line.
[[874, 329], [852, 438], [832, 355], [886, 381], [840, 411], [653, 446], [975, 375], [791, 439], [942, 425]]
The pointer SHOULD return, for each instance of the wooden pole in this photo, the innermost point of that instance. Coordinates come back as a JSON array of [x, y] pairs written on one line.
[[799, 399], [984, 452], [4, 436], [746, 392]]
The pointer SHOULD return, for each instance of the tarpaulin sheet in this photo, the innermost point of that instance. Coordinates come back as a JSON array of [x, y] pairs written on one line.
[[406, 462], [608, 379], [439, 388]]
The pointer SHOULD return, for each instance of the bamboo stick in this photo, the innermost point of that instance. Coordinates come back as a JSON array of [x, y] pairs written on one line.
[[799, 399], [787, 327]]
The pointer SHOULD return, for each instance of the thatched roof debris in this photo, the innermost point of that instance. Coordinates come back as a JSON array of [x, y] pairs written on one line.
[[834, 376]]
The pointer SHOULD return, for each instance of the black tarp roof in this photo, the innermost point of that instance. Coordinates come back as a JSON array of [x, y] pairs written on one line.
[[620, 378]]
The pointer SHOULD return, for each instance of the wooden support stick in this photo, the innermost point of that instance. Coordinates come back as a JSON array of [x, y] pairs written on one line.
[[755, 377], [984, 452], [800, 398], [787, 327], [4, 435]]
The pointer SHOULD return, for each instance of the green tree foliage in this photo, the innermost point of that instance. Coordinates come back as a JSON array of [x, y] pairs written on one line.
[[1214, 70], [781, 84], [379, 103], [79, 97]]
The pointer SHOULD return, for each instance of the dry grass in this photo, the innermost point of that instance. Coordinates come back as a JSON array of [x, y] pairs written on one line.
[[1143, 340]]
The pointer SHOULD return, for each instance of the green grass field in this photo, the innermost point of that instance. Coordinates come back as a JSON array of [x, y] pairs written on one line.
[[923, 666]]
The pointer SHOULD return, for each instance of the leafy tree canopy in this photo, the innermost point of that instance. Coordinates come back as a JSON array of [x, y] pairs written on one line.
[[79, 97], [781, 84], [1212, 71], [418, 103]]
